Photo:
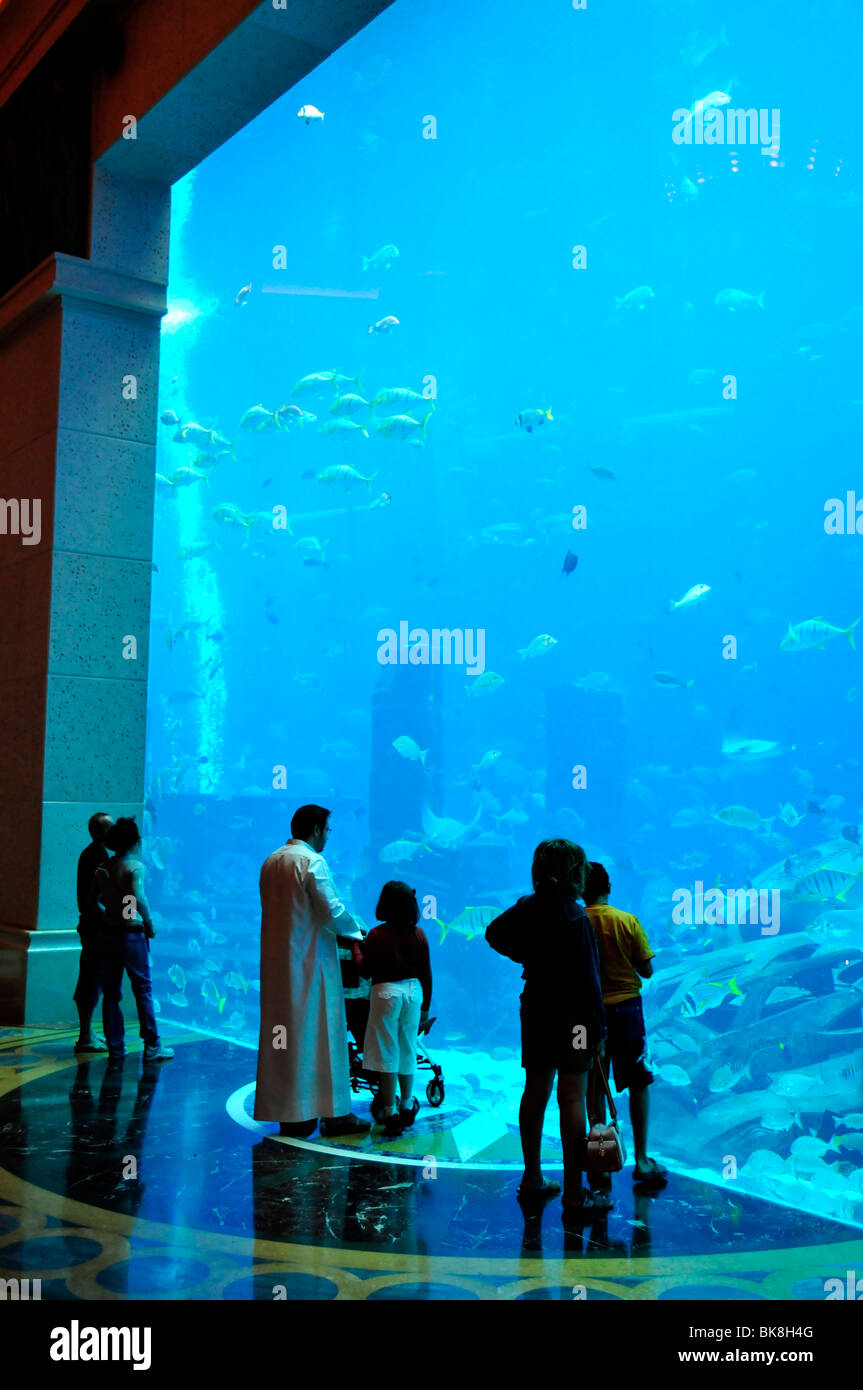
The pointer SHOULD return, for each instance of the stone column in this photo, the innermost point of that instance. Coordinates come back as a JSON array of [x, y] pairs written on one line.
[[79, 354]]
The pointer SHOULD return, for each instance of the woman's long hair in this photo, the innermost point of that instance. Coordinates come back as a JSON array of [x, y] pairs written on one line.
[[559, 869], [398, 905]]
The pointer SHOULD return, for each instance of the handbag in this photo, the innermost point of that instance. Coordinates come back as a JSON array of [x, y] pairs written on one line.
[[606, 1151]]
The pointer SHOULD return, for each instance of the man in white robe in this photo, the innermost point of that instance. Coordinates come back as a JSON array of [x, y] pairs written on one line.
[[303, 1068]]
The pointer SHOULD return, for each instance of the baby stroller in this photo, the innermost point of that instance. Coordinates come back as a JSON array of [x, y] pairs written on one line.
[[362, 1080]]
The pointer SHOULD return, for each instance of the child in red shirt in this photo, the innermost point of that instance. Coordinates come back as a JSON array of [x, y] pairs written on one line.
[[396, 957]]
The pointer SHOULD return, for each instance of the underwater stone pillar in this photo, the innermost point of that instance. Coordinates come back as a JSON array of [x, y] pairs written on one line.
[[585, 727], [406, 700], [79, 353]]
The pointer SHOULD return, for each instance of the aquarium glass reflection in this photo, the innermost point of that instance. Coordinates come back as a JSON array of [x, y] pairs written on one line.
[[506, 490]]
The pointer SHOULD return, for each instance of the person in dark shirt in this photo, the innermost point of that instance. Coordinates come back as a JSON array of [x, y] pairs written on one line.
[[89, 985], [395, 955], [562, 1014]]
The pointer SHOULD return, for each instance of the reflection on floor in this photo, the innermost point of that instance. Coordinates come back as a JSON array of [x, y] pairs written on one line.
[[134, 1181]]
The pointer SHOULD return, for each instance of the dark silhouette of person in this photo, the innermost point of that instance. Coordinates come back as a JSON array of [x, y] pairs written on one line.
[[89, 985], [562, 1015]]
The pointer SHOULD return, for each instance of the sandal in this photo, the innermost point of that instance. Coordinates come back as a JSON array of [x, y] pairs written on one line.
[[654, 1176], [590, 1206], [549, 1188]]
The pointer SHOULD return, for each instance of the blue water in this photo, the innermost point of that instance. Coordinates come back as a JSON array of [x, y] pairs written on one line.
[[703, 443]]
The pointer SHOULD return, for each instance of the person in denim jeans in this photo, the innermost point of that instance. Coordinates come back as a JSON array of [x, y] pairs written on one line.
[[118, 904]]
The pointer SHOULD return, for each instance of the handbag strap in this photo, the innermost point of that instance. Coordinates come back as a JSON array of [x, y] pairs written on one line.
[[606, 1087]]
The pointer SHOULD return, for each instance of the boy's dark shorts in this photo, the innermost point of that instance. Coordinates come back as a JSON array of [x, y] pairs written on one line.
[[546, 1041], [626, 1044]]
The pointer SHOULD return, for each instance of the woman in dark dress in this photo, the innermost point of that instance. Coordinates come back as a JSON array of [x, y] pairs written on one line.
[[562, 1014]]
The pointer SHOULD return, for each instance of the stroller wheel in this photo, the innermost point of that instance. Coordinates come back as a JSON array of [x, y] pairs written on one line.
[[376, 1109], [435, 1092]]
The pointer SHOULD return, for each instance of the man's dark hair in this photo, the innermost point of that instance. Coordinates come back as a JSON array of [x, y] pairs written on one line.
[[305, 818], [597, 884], [559, 868], [96, 823], [398, 904], [123, 835]]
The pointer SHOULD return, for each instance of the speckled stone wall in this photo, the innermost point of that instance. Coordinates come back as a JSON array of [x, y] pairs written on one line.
[[96, 701]]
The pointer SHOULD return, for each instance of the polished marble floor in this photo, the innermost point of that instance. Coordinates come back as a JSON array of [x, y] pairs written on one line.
[[146, 1181]]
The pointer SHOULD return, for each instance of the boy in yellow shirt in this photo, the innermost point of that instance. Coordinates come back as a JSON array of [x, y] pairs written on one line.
[[625, 959]]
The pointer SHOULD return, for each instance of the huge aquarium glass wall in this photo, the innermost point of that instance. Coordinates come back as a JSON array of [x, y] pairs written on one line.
[[510, 411]]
